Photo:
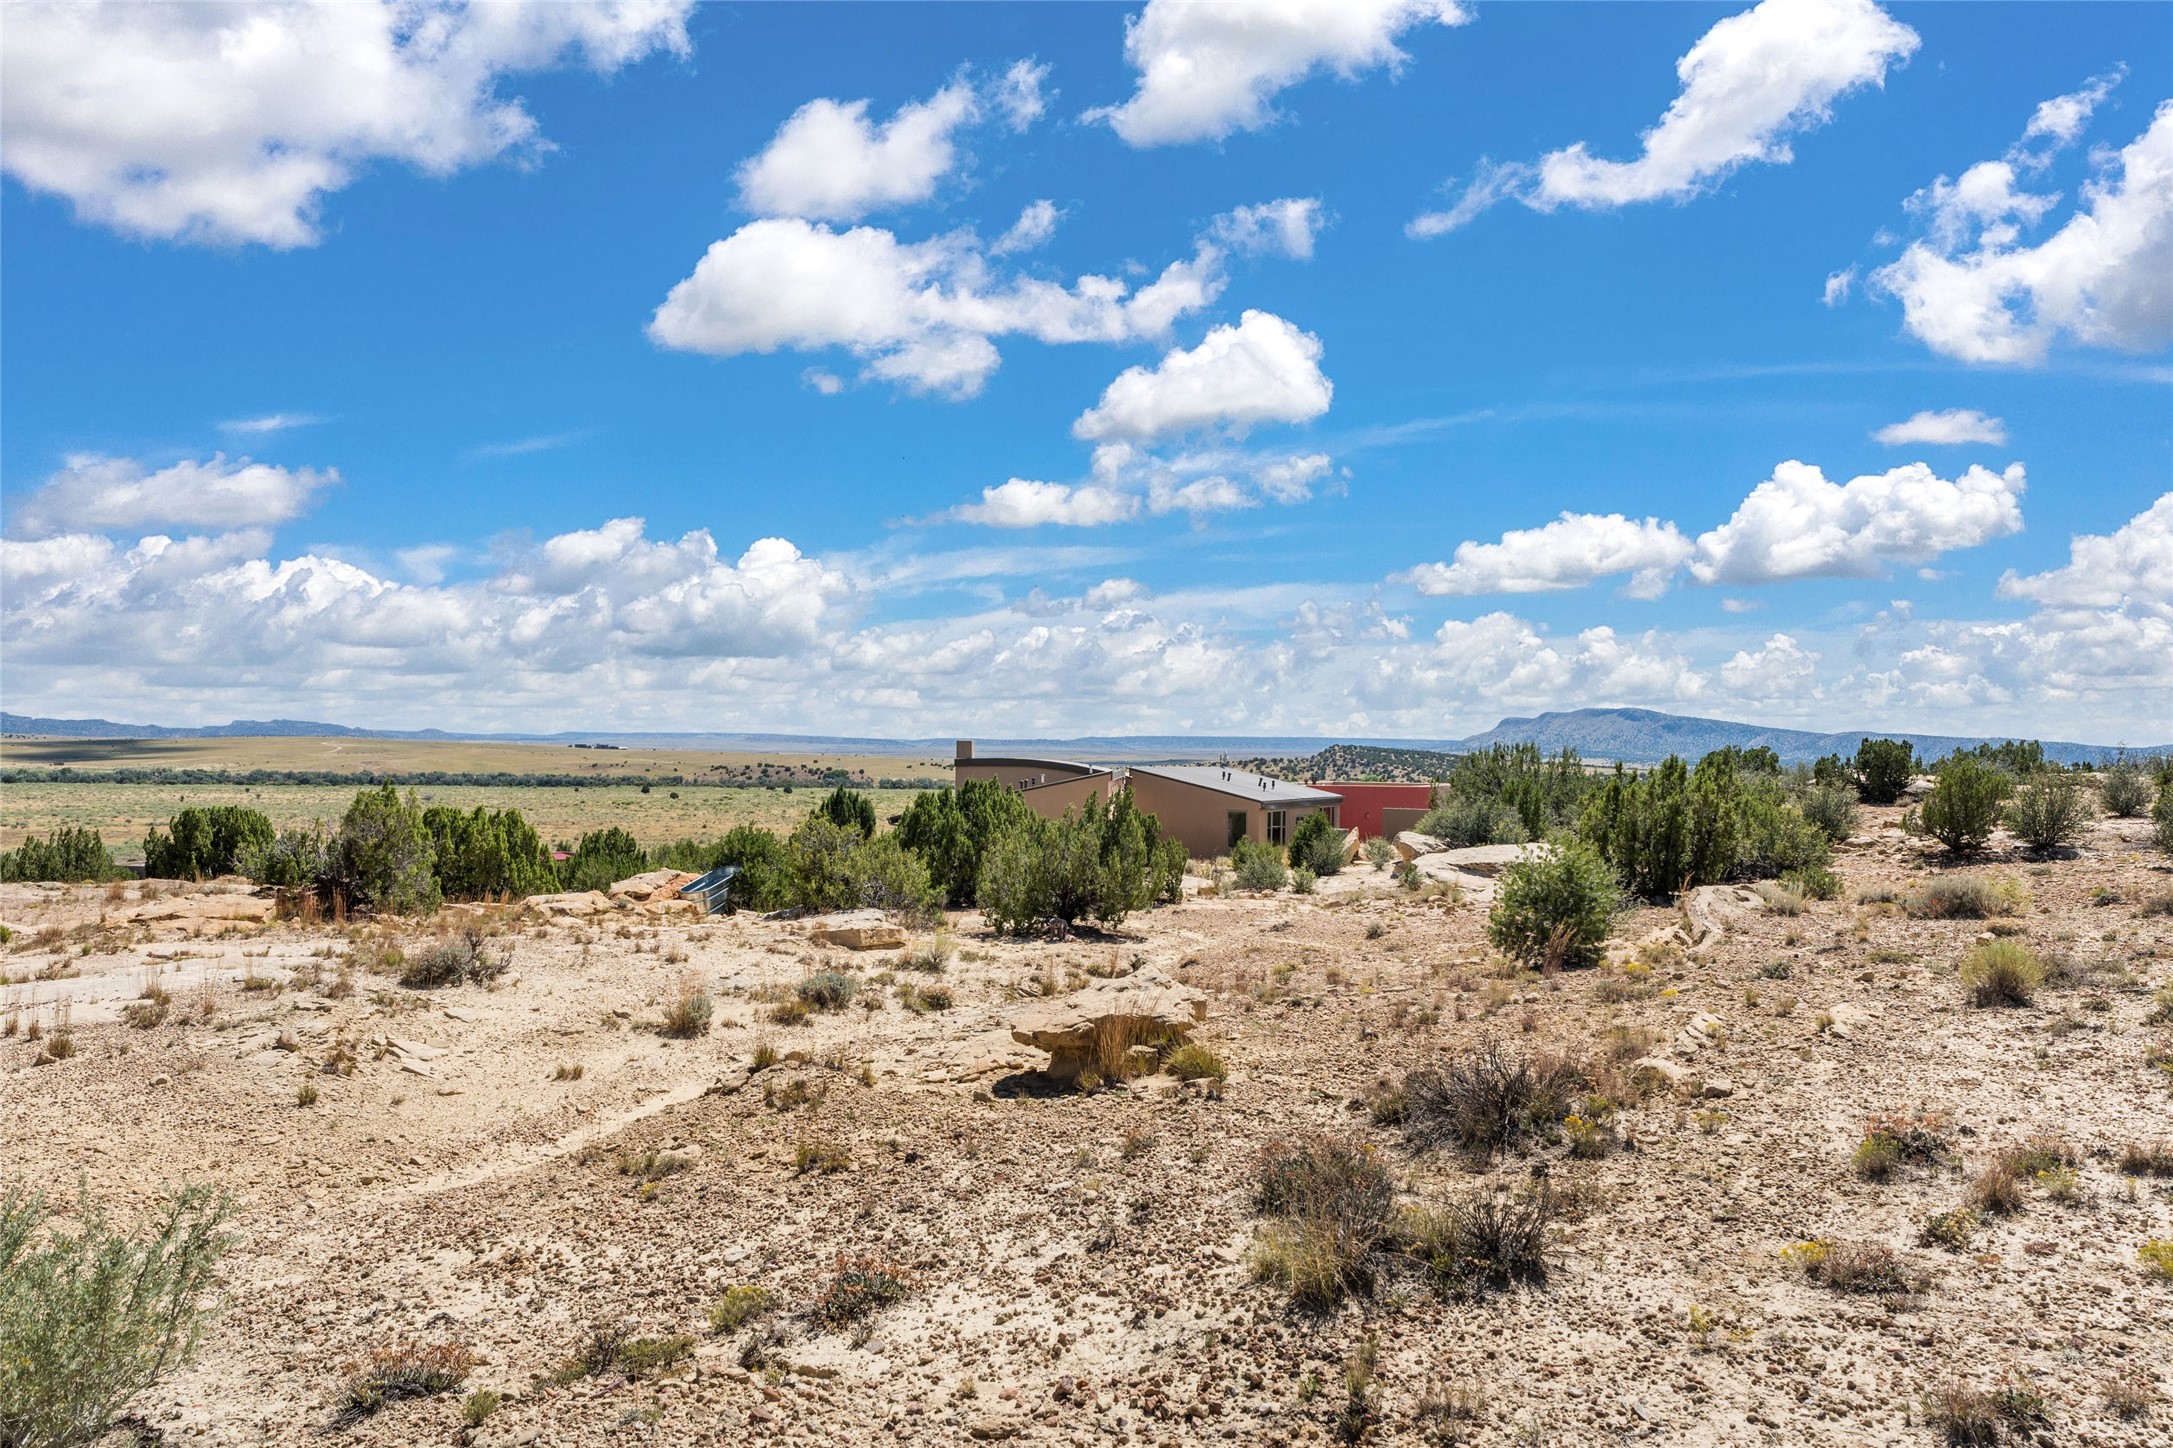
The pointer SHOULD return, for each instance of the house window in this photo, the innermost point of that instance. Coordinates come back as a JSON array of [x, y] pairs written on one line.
[[1275, 826], [1239, 826]]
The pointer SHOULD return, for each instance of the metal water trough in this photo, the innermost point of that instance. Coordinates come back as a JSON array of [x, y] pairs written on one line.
[[712, 890]]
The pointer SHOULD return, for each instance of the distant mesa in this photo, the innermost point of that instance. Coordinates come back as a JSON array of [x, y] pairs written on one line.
[[1635, 736]]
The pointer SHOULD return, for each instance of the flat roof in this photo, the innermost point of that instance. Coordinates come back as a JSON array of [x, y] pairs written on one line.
[[1259, 788], [1073, 765]]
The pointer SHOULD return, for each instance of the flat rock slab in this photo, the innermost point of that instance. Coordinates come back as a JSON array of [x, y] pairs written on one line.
[[1109, 1017], [191, 908], [1411, 844], [651, 885], [1488, 860], [856, 930], [572, 902]]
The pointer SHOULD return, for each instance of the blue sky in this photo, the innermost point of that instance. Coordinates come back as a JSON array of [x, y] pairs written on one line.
[[1362, 368]]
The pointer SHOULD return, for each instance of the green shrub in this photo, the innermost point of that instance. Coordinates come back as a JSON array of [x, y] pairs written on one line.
[[951, 831], [1099, 861], [739, 1306], [68, 856], [1967, 897], [2161, 818], [827, 990], [835, 867], [602, 859], [1555, 907], [1460, 821], [1195, 1062], [1379, 853], [2125, 790], [1963, 807], [488, 855], [1302, 881], [1258, 866], [2001, 973], [848, 808], [383, 858], [2049, 810], [1831, 809], [1546, 794], [90, 1316], [1884, 768], [1317, 845], [293, 858], [202, 843], [764, 881]]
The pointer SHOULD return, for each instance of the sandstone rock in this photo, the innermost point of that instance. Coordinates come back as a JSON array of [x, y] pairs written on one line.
[[1715, 1087], [1489, 860], [1701, 1030], [1411, 844], [1111, 1017], [573, 902], [189, 909], [1660, 1067], [652, 885], [856, 930]]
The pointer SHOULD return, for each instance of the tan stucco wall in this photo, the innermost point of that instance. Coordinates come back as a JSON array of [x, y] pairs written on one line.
[[1201, 817], [1051, 800]]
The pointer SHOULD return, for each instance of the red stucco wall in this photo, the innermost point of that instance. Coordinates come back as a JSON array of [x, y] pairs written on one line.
[[1363, 803]]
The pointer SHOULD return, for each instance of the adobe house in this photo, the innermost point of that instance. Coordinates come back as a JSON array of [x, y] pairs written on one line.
[[1208, 806], [1212, 806]]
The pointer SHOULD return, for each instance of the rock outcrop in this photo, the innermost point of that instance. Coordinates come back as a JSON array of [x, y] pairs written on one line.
[[856, 930], [1097, 1027]]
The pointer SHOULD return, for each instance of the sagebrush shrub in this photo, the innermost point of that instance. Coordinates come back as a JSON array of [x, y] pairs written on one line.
[[1555, 908], [402, 1371], [1258, 866], [1967, 897], [2125, 790], [1832, 809], [90, 1315], [1332, 1197], [2048, 811], [1486, 1239]]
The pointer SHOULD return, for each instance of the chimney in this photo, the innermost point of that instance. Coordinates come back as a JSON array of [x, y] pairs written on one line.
[[965, 749]]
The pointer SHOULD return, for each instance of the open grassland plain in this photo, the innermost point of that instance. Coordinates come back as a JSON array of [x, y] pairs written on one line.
[[123, 813], [411, 756], [729, 791], [1801, 1188]]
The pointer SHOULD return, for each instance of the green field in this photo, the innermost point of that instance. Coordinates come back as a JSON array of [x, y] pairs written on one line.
[[123, 812]]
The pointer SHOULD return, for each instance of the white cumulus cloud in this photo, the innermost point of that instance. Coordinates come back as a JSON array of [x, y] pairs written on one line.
[[1208, 68], [231, 123], [1947, 428], [1024, 503], [829, 162], [1574, 550], [1262, 370], [95, 494], [1752, 82], [1799, 525], [1971, 289], [922, 314], [2132, 566]]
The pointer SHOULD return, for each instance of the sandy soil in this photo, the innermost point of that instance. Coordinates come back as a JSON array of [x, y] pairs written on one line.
[[1079, 1263]]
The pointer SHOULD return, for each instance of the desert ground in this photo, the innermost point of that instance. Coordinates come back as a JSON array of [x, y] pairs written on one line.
[[509, 1168]]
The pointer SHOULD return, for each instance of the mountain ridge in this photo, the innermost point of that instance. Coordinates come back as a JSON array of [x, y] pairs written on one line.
[[1635, 736]]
